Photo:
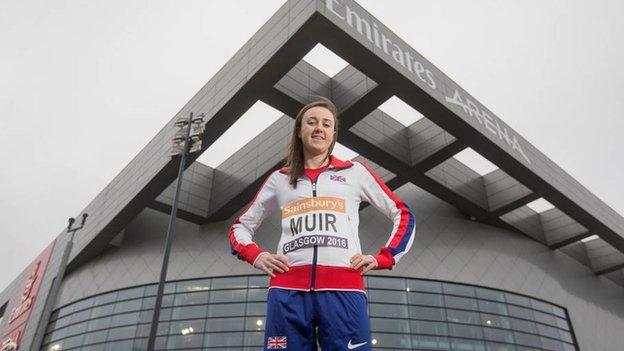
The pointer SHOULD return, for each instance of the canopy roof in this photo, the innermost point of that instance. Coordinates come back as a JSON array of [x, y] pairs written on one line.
[[269, 68]]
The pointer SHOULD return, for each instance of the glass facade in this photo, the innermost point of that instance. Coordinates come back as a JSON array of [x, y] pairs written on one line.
[[228, 313]]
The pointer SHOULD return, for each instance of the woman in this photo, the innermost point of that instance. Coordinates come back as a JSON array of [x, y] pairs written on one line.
[[316, 284]]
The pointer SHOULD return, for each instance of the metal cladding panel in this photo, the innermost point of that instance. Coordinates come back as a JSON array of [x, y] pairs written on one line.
[[348, 86], [503, 189], [603, 256], [195, 193], [558, 226], [577, 251], [447, 247], [304, 81], [384, 132], [617, 276], [425, 138], [527, 221], [461, 179]]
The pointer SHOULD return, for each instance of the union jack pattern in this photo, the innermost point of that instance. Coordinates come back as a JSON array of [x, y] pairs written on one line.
[[338, 178], [276, 342]]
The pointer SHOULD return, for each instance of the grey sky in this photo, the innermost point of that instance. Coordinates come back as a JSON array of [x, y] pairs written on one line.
[[85, 84]]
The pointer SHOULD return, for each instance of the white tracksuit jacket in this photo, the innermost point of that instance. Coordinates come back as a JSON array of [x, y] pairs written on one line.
[[320, 225]]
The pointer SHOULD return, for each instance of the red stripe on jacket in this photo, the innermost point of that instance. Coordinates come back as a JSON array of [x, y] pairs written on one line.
[[384, 255], [250, 251]]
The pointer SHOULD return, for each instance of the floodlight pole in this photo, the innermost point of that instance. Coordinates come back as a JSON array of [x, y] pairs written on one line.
[[55, 287], [170, 232]]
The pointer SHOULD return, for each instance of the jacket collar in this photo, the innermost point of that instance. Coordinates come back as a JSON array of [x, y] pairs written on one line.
[[334, 163]]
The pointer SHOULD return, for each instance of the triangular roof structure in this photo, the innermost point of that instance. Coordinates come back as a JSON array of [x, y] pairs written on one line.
[[269, 68]]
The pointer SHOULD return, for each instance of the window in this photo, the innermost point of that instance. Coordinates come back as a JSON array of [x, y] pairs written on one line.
[[499, 335], [463, 316], [456, 289], [429, 328], [387, 310], [230, 312], [388, 296], [224, 324], [192, 298], [427, 313], [416, 298], [2, 309], [461, 303], [466, 331], [390, 325]]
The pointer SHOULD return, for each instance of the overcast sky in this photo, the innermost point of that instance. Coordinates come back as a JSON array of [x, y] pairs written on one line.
[[85, 84]]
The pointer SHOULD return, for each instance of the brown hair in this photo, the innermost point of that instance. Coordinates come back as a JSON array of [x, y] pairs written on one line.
[[294, 159]]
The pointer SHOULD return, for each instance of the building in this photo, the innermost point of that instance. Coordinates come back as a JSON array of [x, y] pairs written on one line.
[[486, 271]]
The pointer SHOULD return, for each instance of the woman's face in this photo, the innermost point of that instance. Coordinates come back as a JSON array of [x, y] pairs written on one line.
[[317, 130]]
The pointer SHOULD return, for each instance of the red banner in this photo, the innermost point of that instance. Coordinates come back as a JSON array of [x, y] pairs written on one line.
[[23, 303]]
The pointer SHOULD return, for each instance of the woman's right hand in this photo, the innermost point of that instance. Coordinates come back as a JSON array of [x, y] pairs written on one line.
[[270, 263]]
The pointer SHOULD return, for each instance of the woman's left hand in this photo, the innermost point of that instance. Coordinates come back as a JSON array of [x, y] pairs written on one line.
[[366, 262]]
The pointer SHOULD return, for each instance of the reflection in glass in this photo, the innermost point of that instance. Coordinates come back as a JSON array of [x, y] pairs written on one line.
[[188, 312], [387, 310], [229, 283], [193, 285], [491, 320], [192, 298], [223, 339], [428, 342], [229, 314], [431, 328], [465, 331], [386, 283], [488, 294], [467, 345], [122, 333], [417, 298], [185, 341], [128, 294], [458, 289], [387, 296], [237, 295], [392, 340], [259, 294], [461, 303], [95, 337], [224, 324], [492, 307], [390, 325], [499, 335], [424, 286], [427, 313], [458, 316]]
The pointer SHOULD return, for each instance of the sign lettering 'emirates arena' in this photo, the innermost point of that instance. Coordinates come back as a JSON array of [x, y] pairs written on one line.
[[23, 303], [376, 35]]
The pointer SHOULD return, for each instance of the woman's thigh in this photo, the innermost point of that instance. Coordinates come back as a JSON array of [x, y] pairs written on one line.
[[290, 321], [343, 322]]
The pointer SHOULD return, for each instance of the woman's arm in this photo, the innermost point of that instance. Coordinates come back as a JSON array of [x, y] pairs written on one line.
[[245, 226], [377, 193]]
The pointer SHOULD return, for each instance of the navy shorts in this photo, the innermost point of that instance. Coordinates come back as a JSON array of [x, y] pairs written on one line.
[[297, 319]]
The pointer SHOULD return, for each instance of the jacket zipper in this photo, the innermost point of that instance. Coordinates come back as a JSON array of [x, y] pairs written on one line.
[[315, 252]]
